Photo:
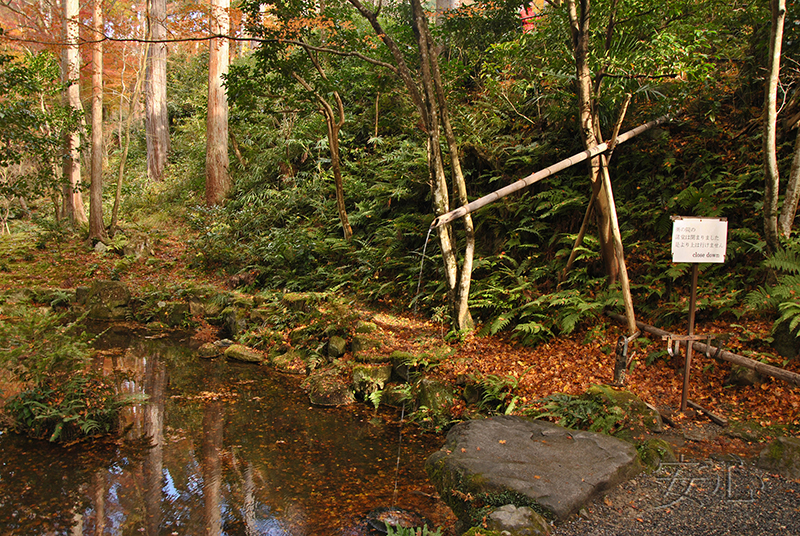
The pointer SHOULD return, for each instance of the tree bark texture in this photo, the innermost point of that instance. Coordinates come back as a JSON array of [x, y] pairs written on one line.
[[156, 116], [334, 121], [771, 174], [580, 27], [432, 107], [72, 208], [96, 226], [792, 197], [218, 182]]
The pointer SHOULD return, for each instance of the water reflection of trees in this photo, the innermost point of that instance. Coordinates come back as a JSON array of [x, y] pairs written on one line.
[[231, 449]]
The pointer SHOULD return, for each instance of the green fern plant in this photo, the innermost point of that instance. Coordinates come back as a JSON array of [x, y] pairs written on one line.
[[784, 295]]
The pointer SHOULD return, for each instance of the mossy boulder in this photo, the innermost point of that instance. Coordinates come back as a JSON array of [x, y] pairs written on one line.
[[291, 362], [234, 321], [209, 350], [364, 327], [239, 352], [480, 531], [260, 315], [365, 348], [438, 399], [654, 452], [301, 301], [369, 378], [403, 364], [108, 300], [395, 395], [172, 313], [639, 418], [336, 347], [329, 387], [782, 456], [510, 520]]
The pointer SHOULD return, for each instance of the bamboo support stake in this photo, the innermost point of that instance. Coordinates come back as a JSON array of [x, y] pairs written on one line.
[[541, 174], [595, 192], [618, 250]]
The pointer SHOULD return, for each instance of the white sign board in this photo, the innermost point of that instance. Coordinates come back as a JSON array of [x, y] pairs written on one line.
[[699, 239]]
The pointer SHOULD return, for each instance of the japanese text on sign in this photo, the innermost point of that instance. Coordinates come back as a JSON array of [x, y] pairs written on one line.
[[699, 239]]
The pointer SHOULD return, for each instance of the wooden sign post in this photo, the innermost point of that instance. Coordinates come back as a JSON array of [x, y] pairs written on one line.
[[696, 240]]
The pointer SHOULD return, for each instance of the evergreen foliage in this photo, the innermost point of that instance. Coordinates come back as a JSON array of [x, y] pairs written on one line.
[[61, 400]]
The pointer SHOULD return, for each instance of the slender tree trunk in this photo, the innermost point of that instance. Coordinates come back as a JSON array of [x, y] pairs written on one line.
[[439, 189], [771, 174], [334, 120], [218, 182], [127, 140], [156, 116], [462, 316], [792, 197], [96, 227], [73, 202], [579, 24], [432, 107]]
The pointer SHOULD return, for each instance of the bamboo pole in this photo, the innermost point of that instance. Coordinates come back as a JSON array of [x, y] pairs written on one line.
[[541, 174], [718, 353], [618, 250]]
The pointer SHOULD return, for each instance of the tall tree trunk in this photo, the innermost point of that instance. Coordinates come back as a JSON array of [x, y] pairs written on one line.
[[771, 174], [462, 316], [156, 116], [432, 107], [579, 24], [96, 227], [218, 182], [334, 120], [792, 197], [125, 132], [72, 208]]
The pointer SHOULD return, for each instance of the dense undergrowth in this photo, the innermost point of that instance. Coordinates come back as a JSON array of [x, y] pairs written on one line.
[[60, 397]]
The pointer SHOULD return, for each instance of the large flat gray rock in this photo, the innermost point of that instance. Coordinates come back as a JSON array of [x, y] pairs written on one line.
[[505, 459]]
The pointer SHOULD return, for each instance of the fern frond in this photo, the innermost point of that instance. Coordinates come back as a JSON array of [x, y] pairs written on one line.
[[785, 260]]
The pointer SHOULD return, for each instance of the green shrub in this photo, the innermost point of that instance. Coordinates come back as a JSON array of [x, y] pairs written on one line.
[[63, 410], [585, 412], [61, 400], [784, 295]]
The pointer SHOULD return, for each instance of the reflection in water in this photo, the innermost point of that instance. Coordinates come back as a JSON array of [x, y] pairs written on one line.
[[155, 386], [231, 449]]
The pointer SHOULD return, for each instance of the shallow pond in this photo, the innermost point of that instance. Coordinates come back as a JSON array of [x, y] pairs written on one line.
[[236, 449]]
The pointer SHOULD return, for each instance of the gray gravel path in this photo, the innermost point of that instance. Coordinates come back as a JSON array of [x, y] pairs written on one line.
[[709, 497]]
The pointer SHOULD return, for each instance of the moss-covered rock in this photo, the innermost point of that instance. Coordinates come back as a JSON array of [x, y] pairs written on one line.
[[239, 352], [108, 300], [480, 531], [290, 362], [403, 364], [369, 378], [365, 348], [655, 451], [396, 395], [301, 301], [639, 418], [336, 347], [329, 387], [782, 456], [510, 520], [260, 315], [209, 350]]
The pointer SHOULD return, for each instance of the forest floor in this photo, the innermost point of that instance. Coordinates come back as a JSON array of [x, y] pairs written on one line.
[[568, 364]]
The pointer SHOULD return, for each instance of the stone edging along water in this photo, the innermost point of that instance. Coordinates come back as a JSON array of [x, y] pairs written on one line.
[[337, 353]]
